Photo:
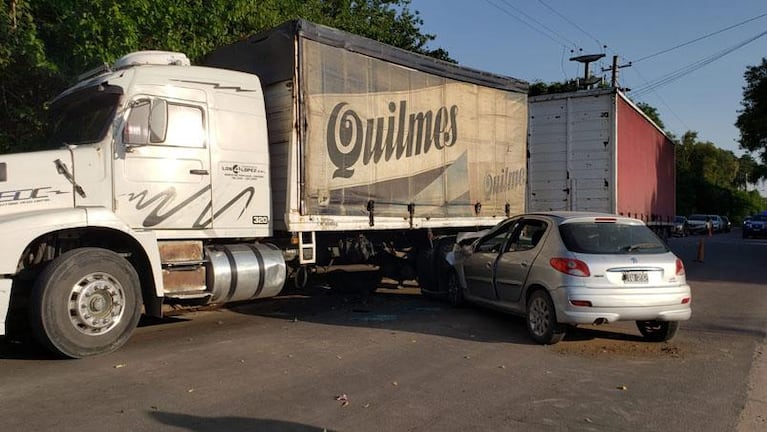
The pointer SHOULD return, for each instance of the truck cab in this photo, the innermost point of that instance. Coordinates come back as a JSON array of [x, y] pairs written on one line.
[[151, 161]]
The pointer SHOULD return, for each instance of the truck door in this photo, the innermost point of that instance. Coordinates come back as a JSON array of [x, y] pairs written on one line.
[[162, 166]]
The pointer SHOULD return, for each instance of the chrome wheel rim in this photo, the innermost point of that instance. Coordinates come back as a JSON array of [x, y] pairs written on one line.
[[96, 304], [539, 316]]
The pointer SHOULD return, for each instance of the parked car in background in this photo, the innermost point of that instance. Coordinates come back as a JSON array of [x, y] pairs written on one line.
[[680, 227], [717, 223], [697, 223], [568, 268], [726, 224], [756, 226]]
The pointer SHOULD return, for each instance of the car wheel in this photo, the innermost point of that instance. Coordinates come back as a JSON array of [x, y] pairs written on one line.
[[542, 319], [86, 302], [454, 289], [658, 331]]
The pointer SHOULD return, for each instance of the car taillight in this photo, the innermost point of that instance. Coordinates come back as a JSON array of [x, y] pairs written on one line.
[[570, 266], [679, 267]]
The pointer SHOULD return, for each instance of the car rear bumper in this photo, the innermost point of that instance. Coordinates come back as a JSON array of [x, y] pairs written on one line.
[[634, 304]]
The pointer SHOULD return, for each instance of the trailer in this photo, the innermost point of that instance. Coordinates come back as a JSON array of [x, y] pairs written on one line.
[[595, 150], [301, 151]]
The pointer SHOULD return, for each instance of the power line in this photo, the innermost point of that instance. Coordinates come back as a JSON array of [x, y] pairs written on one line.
[[700, 38], [560, 35], [571, 23], [679, 73], [507, 12], [660, 98]]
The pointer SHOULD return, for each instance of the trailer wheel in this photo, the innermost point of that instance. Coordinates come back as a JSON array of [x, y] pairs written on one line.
[[86, 302]]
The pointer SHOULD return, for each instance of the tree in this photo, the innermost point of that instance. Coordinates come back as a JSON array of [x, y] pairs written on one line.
[[46, 44], [652, 112], [541, 88], [711, 180], [752, 120], [28, 78]]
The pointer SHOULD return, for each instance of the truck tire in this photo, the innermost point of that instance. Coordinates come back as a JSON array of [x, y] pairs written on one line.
[[86, 302]]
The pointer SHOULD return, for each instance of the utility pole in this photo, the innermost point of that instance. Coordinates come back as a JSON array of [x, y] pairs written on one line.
[[614, 69]]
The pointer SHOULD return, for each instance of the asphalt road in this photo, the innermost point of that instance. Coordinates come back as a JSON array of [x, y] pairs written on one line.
[[394, 361]]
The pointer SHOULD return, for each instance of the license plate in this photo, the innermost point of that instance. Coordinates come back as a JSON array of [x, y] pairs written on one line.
[[635, 277]]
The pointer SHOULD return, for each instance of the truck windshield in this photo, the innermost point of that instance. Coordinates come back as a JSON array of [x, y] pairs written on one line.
[[83, 117]]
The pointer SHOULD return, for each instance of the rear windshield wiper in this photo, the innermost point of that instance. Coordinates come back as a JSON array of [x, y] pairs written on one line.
[[637, 246]]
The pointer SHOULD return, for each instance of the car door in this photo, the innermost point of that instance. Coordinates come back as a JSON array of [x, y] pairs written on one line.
[[513, 266], [479, 266]]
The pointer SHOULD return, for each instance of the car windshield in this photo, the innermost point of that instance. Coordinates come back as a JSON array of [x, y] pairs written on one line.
[[698, 217], [610, 238], [83, 117], [680, 219]]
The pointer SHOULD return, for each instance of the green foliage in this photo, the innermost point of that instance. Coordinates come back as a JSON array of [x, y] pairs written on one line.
[[28, 78], [752, 120], [713, 180], [46, 44], [542, 88], [652, 112]]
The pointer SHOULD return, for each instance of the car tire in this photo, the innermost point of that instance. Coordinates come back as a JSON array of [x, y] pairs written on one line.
[[86, 302], [658, 331], [454, 289], [542, 319]]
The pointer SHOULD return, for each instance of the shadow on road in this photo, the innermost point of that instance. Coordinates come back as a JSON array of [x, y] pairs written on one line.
[[229, 424]]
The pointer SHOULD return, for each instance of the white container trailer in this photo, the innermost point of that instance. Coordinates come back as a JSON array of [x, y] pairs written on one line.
[[595, 150]]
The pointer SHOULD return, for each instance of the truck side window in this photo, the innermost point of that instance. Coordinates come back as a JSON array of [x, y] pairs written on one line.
[[185, 128]]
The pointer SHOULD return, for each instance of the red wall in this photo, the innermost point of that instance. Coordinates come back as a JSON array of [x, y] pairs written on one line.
[[646, 167]]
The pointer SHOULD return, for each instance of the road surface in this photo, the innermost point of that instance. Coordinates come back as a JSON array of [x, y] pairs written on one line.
[[394, 361]]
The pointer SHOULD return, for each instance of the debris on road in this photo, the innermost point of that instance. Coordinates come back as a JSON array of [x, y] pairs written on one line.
[[343, 399]]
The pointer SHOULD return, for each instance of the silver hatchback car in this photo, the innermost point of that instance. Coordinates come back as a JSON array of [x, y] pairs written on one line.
[[570, 268]]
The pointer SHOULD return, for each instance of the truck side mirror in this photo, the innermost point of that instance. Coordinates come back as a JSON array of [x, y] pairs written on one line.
[[158, 121]]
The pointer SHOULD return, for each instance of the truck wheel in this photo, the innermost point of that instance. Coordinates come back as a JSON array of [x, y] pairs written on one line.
[[86, 302], [542, 319], [658, 331]]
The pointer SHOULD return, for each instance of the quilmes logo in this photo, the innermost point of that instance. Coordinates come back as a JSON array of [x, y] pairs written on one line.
[[351, 137], [507, 179]]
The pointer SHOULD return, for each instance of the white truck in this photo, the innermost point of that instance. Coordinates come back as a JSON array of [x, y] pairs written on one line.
[[300, 150]]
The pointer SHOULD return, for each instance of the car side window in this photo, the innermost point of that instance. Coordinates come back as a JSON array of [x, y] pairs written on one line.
[[527, 235], [495, 241]]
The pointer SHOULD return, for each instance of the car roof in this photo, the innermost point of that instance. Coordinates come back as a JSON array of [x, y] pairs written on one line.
[[581, 216]]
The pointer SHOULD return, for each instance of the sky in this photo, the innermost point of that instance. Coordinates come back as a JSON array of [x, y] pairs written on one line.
[[534, 39]]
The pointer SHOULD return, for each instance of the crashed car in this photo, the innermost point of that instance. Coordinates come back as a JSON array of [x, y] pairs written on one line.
[[567, 268]]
